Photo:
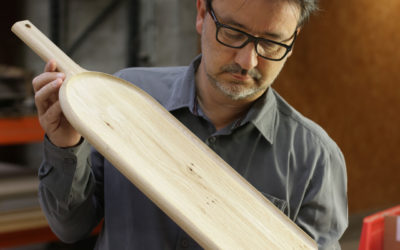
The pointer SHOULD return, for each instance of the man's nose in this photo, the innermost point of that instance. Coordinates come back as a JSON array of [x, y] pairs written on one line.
[[247, 56]]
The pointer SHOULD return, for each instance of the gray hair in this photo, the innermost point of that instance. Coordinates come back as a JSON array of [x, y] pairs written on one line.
[[307, 7]]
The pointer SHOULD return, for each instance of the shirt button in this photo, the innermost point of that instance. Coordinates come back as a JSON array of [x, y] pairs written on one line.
[[212, 140], [184, 243]]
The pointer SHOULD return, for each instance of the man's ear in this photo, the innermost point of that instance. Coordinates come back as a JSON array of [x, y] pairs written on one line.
[[291, 51], [201, 14]]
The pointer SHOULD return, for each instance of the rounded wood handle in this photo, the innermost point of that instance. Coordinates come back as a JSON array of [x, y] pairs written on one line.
[[45, 48]]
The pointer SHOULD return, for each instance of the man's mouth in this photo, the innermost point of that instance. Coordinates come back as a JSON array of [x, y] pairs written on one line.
[[241, 74], [241, 77]]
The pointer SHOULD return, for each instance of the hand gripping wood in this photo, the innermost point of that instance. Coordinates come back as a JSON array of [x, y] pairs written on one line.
[[207, 198]]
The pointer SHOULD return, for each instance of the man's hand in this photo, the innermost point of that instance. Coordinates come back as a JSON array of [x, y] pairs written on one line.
[[46, 87]]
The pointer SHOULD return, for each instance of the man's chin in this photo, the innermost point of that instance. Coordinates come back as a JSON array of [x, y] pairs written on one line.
[[236, 91]]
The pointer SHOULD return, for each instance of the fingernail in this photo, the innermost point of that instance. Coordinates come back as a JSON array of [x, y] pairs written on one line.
[[57, 82], [60, 75]]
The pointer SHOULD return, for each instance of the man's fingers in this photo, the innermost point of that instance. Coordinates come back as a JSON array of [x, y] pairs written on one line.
[[47, 95], [41, 80], [53, 114], [51, 66]]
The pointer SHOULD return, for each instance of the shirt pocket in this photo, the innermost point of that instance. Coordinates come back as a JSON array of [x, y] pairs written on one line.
[[281, 204]]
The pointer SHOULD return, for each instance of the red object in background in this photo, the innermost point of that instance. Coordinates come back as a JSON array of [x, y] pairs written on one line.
[[372, 230], [33, 236], [26, 237], [20, 130]]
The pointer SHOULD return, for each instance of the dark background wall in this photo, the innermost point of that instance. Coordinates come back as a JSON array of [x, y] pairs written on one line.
[[344, 74], [9, 46]]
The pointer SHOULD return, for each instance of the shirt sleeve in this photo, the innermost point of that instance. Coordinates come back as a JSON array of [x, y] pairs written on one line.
[[324, 212], [66, 191]]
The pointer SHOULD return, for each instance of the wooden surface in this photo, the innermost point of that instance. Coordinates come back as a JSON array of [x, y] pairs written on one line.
[[23, 219], [26, 227], [344, 74], [27, 237], [186, 179], [18, 186]]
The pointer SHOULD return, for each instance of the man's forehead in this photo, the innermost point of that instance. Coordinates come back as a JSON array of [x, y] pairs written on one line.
[[275, 18]]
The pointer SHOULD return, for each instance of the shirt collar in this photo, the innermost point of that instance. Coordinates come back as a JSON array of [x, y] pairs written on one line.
[[184, 89], [262, 113]]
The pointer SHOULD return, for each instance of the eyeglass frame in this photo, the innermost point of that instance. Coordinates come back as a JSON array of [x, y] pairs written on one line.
[[250, 38]]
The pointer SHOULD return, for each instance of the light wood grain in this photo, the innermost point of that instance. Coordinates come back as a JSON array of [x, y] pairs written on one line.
[[177, 171]]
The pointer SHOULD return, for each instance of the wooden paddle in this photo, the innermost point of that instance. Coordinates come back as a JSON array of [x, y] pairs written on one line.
[[176, 170]]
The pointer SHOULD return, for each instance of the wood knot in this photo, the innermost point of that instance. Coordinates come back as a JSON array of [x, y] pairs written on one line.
[[108, 124]]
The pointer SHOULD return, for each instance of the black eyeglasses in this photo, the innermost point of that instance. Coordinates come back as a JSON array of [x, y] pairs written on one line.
[[235, 38]]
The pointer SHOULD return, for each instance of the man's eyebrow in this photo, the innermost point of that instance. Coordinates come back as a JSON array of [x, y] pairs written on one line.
[[270, 35]]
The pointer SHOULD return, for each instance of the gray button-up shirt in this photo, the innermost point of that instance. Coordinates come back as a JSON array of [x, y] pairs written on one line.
[[287, 157]]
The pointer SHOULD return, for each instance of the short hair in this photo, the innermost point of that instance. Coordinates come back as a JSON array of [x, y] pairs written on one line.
[[307, 7]]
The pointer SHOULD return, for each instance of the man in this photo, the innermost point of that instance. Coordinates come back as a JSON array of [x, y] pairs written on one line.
[[225, 97]]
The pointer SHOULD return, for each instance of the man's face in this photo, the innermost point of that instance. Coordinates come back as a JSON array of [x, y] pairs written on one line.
[[241, 74]]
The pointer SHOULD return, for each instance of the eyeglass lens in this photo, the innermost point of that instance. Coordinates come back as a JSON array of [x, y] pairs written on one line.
[[236, 39]]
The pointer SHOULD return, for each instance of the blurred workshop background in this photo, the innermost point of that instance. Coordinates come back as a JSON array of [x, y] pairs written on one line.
[[343, 75]]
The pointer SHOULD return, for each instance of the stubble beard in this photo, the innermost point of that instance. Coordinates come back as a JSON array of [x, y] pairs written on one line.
[[235, 89]]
